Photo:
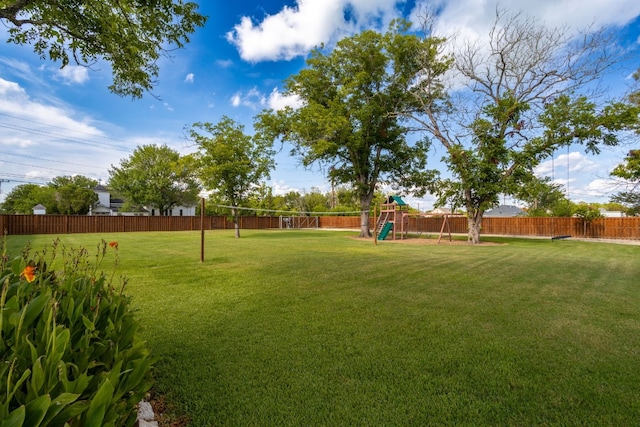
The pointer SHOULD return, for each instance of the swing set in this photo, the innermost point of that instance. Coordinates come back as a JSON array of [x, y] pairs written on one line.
[[393, 222]]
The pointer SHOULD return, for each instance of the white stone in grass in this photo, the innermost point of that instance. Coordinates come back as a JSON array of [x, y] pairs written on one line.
[[145, 411], [144, 423]]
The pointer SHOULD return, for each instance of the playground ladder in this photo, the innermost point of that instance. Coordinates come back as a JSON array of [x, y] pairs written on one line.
[[381, 222]]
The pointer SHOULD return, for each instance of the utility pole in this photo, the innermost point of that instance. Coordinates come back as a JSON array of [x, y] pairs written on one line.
[[1, 181], [333, 191]]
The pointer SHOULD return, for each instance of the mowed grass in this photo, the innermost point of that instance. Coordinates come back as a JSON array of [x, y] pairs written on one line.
[[316, 328]]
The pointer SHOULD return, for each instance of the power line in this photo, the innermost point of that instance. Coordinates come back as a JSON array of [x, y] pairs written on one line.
[[15, 175], [288, 212], [63, 137], [43, 167], [44, 160], [62, 128], [22, 182]]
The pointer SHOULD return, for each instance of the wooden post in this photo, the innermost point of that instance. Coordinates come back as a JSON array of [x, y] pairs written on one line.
[[444, 222], [375, 226], [202, 230]]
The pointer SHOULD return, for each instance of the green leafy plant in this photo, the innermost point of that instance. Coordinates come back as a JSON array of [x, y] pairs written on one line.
[[70, 352]]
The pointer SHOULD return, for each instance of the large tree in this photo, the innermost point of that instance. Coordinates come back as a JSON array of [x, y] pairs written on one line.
[[74, 195], [629, 171], [155, 177], [543, 197], [231, 163], [22, 198], [130, 35], [523, 96], [346, 123]]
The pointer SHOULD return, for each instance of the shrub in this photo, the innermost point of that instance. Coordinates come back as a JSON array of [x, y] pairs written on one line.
[[68, 342]]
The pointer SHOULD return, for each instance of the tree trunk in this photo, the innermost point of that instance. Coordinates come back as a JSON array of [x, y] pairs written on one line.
[[236, 222], [364, 224], [474, 222], [365, 206]]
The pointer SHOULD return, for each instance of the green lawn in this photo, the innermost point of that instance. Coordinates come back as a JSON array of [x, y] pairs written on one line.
[[315, 328]]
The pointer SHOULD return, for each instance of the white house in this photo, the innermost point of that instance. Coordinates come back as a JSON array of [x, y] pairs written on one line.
[[175, 211], [440, 212], [612, 214], [107, 205]]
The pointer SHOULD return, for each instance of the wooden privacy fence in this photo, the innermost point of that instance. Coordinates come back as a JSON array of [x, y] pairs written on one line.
[[603, 228], [66, 224], [606, 228]]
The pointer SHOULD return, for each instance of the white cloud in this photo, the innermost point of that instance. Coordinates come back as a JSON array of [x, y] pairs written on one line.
[[294, 31], [600, 187], [16, 103], [585, 179], [189, 78], [16, 142], [253, 99], [475, 17], [8, 88], [278, 101], [224, 63], [576, 161], [73, 74], [281, 188], [18, 66], [236, 100], [41, 140], [21, 70]]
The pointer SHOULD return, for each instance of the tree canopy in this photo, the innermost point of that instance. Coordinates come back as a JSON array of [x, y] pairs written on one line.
[[130, 35], [543, 197], [74, 195], [524, 97], [629, 171], [67, 195], [155, 177], [231, 163], [347, 124], [22, 198]]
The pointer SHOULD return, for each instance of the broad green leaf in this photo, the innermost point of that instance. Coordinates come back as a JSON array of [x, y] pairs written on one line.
[[57, 405], [36, 410], [99, 404], [38, 376], [69, 412], [18, 384], [88, 324], [62, 341], [15, 418], [65, 399], [35, 307]]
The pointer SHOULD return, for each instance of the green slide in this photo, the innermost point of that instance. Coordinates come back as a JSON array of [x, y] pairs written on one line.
[[385, 230]]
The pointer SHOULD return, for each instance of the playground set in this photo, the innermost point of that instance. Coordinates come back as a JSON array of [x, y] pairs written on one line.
[[393, 220]]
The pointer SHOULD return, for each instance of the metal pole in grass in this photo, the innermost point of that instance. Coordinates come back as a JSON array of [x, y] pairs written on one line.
[[202, 230]]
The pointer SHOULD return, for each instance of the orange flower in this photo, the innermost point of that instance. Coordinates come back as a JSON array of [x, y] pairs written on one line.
[[29, 273], [113, 244]]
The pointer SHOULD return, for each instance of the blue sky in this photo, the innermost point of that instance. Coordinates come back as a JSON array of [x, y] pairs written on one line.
[[64, 121]]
